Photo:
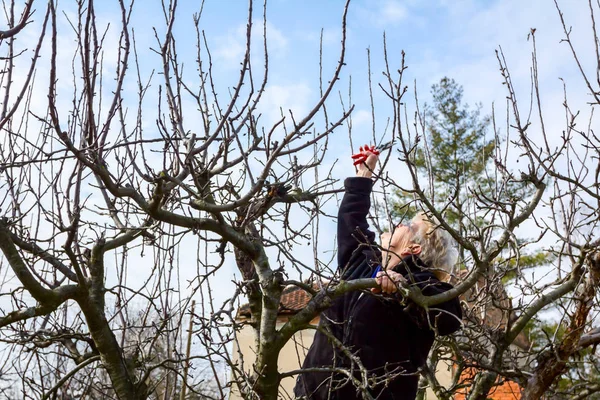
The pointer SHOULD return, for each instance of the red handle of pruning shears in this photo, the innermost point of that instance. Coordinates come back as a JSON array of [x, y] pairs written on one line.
[[361, 157]]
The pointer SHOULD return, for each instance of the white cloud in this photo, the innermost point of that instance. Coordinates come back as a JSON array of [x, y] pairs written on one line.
[[383, 13], [392, 12], [231, 47], [361, 119], [331, 35], [285, 98]]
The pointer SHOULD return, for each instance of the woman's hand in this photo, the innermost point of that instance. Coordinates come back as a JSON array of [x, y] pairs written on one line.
[[388, 281], [365, 160]]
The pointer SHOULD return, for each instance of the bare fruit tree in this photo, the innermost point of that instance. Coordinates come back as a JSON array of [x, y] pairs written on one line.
[[90, 183], [123, 169]]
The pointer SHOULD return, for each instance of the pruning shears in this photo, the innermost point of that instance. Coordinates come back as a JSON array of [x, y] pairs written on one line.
[[361, 157]]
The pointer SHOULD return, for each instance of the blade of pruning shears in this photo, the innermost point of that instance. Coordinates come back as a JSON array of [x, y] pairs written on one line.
[[385, 146]]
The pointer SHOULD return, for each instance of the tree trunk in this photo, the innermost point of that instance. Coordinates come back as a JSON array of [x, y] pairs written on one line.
[[553, 363], [92, 305], [483, 385], [110, 353]]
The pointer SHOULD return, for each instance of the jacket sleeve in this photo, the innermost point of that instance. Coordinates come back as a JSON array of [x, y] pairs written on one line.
[[444, 318], [353, 229]]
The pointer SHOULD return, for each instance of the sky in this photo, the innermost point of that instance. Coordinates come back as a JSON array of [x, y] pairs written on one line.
[[458, 39], [441, 38]]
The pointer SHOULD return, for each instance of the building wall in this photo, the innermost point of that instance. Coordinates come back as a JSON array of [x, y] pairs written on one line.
[[290, 357], [444, 377]]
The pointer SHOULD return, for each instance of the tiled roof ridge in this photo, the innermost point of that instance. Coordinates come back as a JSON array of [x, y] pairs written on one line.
[[293, 299]]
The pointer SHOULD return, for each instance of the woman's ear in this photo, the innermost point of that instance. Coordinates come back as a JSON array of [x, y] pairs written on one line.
[[413, 249]]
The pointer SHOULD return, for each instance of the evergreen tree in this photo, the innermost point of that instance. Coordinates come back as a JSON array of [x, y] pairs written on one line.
[[456, 155], [458, 149], [458, 159]]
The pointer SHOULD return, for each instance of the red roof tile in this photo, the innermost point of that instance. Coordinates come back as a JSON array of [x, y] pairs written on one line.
[[293, 299]]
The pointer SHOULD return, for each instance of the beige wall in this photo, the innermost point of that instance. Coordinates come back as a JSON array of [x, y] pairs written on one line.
[[444, 377], [292, 355]]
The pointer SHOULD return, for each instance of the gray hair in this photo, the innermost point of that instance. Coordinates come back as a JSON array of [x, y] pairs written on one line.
[[438, 248]]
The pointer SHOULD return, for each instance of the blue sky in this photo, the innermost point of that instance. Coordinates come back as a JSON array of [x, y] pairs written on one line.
[[441, 38]]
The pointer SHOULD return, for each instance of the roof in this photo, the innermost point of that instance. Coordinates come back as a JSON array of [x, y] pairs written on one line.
[[490, 305], [293, 299]]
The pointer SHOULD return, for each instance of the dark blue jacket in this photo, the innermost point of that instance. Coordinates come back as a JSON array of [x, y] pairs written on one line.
[[391, 337]]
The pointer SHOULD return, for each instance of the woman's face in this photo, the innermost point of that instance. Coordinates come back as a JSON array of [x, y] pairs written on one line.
[[401, 237]]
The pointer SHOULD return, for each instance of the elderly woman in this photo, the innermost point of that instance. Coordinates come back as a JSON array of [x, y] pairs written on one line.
[[387, 335]]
